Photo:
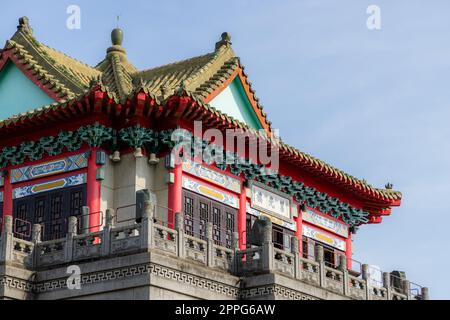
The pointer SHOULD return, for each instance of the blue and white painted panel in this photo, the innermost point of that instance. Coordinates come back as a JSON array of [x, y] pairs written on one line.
[[325, 223], [211, 193], [49, 185], [71, 163], [225, 181], [288, 225], [324, 238]]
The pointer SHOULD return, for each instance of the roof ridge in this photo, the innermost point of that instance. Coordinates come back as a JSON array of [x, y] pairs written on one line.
[[174, 64], [68, 56], [217, 54], [28, 41]]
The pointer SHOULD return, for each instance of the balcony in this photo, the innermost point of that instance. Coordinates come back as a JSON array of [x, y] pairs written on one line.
[[149, 235]]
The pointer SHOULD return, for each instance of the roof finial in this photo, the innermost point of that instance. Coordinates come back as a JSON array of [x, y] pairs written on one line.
[[389, 186], [117, 37], [24, 25], [224, 41]]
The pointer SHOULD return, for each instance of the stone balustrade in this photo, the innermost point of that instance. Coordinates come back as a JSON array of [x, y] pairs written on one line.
[[147, 235]]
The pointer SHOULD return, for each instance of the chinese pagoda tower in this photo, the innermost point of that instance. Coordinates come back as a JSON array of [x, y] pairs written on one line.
[[96, 201]]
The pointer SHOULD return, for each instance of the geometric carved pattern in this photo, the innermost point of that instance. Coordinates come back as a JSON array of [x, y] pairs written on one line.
[[164, 272], [16, 283], [138, 270], [277, 291]]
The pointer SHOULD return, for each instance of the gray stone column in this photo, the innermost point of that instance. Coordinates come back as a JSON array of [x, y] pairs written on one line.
[[71, 233], [387, 285], [319, 254], [85, 214], [36, 238], [36, 235], [366, 277], [406, 285], [147, 225], [425, 293], [295, 252], [179, 227], [267, 254], [6, 245], [235, 248], [109, 224], [344, 269], [6, 240], [209, 245]]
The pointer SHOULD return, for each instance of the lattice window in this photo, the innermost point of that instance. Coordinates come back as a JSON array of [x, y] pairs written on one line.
[[22, 226], [216, 225], [204, 218], [39, 210], [229, 228], [189, 215], [76, 202], [56, 223]]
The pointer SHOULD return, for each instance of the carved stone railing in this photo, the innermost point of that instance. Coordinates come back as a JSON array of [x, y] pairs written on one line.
[[87, 246], [51, 252], [284, 262], [125, 239], [195, 249], [249, 261], [22, 252], [223, 257], [147, 235], [165, 238], [309, 271], [334, 280], [378, 293], [357, 288]]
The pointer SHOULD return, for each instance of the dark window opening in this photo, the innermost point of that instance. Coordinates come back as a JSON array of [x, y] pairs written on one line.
[[199, 210], [49, 209]]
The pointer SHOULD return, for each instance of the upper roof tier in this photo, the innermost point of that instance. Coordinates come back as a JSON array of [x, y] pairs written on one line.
[[202, 78]]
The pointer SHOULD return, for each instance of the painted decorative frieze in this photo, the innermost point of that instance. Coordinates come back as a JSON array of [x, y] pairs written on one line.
[[96, 135], [49, 185], [71, 163], [212, 176], [211, 193], [325, 223], [288, 225], [270, 202], [322, 237]]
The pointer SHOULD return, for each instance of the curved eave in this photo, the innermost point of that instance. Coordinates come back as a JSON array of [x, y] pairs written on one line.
[[192, 107]]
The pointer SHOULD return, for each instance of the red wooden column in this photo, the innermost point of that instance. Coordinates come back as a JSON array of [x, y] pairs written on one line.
[[93, 191], [242, 219], [7, 194], [299, 232], [349, 250], [175, 191]]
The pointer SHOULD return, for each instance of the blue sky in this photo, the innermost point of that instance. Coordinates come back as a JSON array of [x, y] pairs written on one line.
[[373, 103]]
